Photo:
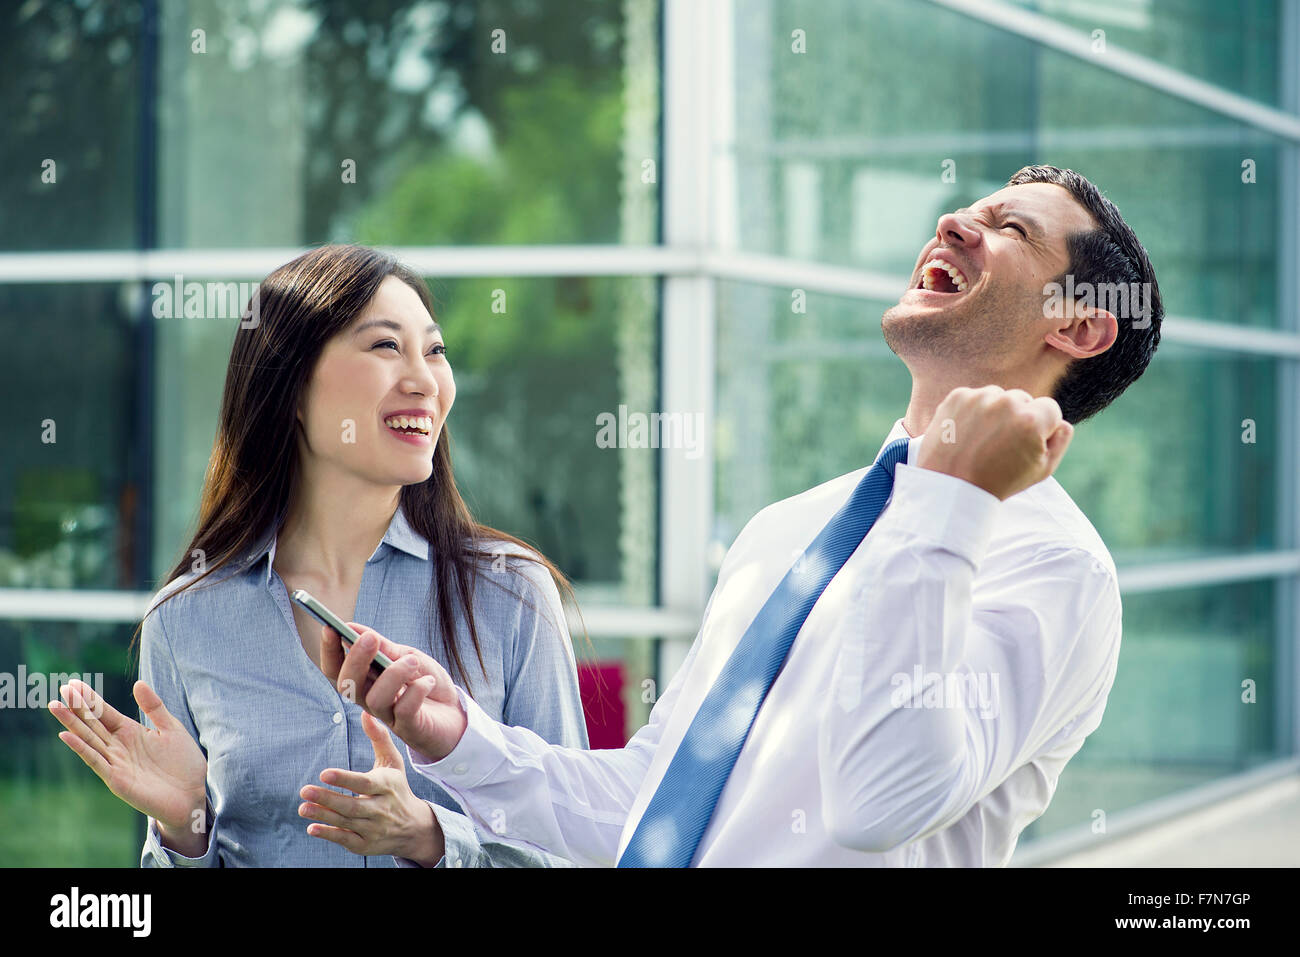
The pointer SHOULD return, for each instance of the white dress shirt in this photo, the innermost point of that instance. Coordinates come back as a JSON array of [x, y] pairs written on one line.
[[928, 704]]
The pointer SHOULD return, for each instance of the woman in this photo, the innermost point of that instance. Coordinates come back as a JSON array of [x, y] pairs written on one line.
[[331, 472]]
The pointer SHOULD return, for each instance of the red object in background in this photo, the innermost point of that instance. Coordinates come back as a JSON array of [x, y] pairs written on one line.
[[601, 688]]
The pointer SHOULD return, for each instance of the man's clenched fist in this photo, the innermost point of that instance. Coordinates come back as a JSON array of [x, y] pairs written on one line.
[[1003, 440]]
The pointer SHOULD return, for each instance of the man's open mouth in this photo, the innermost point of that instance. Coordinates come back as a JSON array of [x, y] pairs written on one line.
[[940, 276]]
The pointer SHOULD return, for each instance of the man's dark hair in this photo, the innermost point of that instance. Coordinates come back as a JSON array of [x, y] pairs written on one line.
[[1109, 254]]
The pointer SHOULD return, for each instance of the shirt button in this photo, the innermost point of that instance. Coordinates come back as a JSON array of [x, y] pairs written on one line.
[[338, 717], [455, 862], [460, 769]]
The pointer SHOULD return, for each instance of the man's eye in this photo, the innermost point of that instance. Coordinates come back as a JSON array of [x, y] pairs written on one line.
[[1016, 226]]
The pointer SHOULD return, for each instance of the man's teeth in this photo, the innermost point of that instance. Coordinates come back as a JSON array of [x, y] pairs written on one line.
[[928, 275], [424, 423]]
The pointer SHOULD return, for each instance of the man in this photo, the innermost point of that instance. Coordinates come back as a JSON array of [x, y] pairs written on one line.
[[904, 699]]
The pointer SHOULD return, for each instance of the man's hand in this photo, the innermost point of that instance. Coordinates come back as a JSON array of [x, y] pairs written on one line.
[[1002, 440], [414, 696]]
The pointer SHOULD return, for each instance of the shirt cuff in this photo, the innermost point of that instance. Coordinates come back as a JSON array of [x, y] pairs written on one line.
[[943, 509], [155, 855], [480, 751], [460, 842]]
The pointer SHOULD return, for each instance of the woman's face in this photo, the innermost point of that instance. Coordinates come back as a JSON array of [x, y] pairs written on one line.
[[388, 363]]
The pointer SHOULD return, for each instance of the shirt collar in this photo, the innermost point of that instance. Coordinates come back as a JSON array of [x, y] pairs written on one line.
[[898, 432], [400, 535]]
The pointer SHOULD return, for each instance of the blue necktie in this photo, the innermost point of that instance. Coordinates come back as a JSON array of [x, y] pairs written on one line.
[[676, 817]]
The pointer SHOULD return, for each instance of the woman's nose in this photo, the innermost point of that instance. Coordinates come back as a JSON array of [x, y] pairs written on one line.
[[423, 383]]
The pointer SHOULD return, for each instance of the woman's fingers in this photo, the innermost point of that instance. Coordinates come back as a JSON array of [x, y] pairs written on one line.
[[331, 652], [68, 718], [89, 727], [353, 781], [109, 717], [354, 677], [386, 753], [93, 759], [318, 812], [153, 708], [349, 807], [353, 841]]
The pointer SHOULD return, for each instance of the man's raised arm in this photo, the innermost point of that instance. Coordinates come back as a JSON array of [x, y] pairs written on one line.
[[1030, 661]]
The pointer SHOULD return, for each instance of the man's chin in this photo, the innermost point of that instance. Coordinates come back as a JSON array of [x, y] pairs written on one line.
[[904, 312], [914, 328]]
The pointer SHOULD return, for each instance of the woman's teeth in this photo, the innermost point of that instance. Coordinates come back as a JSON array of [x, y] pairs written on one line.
[[422, 423], [931, 272]]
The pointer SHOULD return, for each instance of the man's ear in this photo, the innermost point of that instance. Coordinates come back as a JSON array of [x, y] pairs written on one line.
[[1087, 331]]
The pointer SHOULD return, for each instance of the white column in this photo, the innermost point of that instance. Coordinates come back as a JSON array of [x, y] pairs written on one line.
[[694, 35]]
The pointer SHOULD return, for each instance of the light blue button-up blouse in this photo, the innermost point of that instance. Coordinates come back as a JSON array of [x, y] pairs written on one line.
[[227, 661]]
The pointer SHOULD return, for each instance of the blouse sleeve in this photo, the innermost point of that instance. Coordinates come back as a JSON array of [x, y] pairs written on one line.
[[158, 670]]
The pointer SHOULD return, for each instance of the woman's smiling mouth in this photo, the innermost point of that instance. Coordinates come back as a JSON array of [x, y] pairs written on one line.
[[414, 429]]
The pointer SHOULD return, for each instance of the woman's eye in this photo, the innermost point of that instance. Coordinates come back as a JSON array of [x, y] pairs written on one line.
[[439, 349]]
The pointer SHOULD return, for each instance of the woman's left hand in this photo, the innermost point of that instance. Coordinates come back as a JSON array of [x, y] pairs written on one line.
[[385, 816]]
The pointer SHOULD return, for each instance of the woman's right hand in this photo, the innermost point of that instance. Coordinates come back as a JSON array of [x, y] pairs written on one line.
[[159, 771]]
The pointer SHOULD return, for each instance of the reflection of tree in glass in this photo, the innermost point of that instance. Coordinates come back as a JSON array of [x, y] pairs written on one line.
[[531, 379], [392, 82], [69, 95]]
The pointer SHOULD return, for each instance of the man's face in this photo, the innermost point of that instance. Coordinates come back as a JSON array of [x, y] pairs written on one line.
[[1001, 252]]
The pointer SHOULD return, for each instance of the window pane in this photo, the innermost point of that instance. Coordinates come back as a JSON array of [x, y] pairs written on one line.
[[1232, 45], [70, 154], [406, 123], [1183, 464], [849, 153], [69, 817], [801, 397], [1167, 472], [74, 485], [1195, 698]]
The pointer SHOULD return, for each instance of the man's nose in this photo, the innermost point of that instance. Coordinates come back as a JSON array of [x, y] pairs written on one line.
[[956, 230]]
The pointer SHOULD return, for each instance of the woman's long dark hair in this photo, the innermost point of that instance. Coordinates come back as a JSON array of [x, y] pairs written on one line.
[[253, 470]]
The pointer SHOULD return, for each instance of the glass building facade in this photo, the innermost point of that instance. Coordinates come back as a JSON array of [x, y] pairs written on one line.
[[687, 207]]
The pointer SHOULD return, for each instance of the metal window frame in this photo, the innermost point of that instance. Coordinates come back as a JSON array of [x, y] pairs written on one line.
[[1287, 611]]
